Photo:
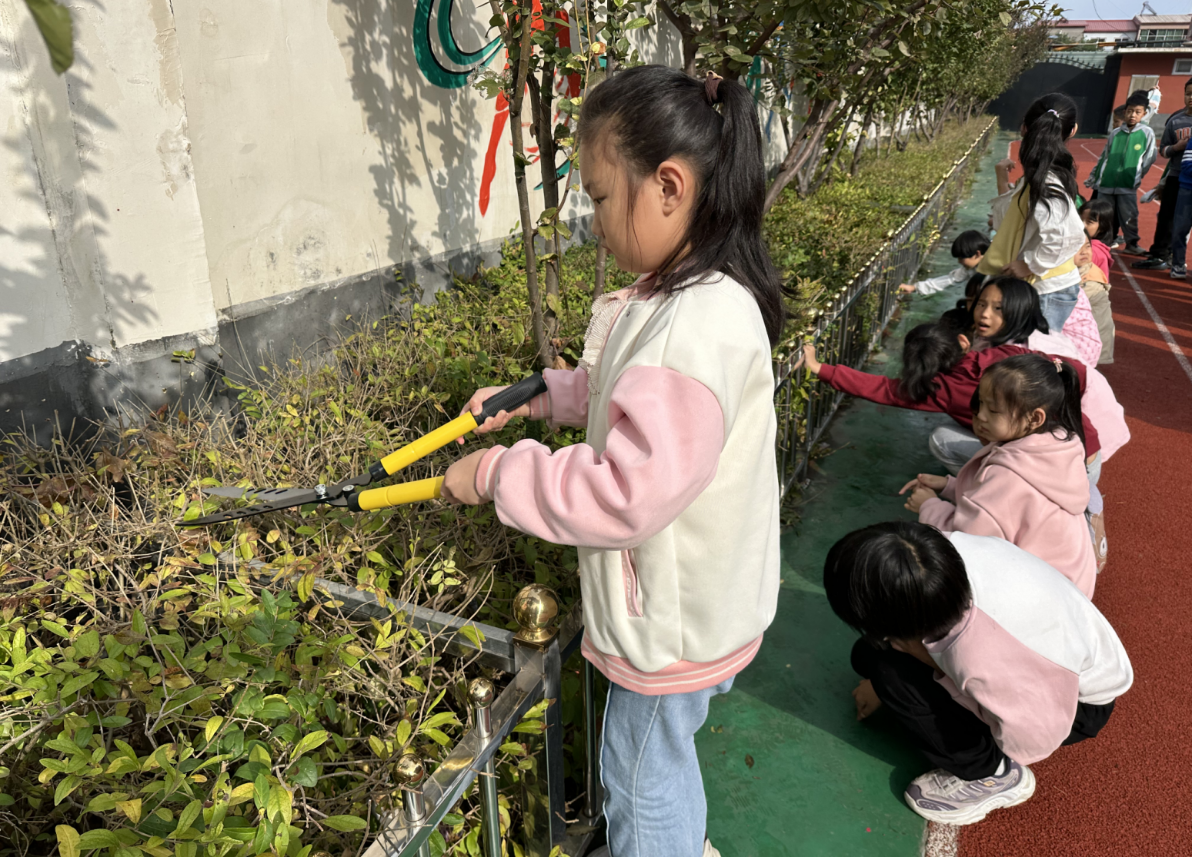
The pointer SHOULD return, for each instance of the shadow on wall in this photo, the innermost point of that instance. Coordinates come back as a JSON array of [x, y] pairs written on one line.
[[62, 305], [426, 133]]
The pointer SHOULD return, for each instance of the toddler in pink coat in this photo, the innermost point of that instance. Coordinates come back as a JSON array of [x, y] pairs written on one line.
[[1027, 485]]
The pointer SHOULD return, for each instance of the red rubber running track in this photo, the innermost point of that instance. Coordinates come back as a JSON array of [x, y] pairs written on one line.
[[1127, 791]]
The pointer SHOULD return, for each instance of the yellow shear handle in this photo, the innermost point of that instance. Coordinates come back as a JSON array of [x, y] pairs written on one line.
[[396, 495], [427, 444]]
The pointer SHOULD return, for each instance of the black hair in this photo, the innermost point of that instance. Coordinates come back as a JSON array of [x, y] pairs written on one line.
[[1100, 211], [959, 319], [651, 113], [1119, 112], [1187, 83], [901, 580], [1049, 121], [1028, 381], [968, 244], [973, 286], [929, 350], [1139, 98], [1021, 314]]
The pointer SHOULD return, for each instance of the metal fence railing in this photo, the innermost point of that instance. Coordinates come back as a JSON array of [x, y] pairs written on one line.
[[847, 329]]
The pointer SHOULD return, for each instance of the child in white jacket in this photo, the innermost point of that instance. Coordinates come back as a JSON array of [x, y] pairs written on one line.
[[989, 657], [968, 249]]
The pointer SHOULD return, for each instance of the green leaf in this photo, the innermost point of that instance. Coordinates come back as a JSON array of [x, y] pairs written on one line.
[[274, 709], [99, 839], [403, 732], [280, 804], [212, 727], [304, 773], [637, 22], [186, 819], [902, 46], [79, 682], [65, 787], [1005, 18], [345, 823], [101, 803], [68, 840], [310, 742], [207, 559], [53, 21], [87, 645]]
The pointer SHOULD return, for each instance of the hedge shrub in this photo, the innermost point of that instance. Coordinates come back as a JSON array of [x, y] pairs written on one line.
[[159, 696]]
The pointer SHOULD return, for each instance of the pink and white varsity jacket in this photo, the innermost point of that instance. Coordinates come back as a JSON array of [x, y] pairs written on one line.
[[673, 499], [1028, 649]]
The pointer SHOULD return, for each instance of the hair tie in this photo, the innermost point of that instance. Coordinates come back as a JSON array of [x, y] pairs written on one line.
[[711, 86], [1053, 113], [1059, 365]]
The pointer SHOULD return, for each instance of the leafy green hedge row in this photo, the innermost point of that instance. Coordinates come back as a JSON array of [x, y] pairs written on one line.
[[160, 696]]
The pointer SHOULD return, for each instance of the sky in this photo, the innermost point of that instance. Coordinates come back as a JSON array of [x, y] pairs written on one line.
[[1074, 9]]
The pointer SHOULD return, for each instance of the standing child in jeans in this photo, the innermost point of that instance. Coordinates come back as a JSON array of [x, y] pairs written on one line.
[[673, 499], [1037, 222], [988, 657], [1128, 154], [1183, 206]]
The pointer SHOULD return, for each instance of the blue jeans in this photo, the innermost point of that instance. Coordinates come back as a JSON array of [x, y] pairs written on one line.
[[1057, 306], [653, 790], [1181, 226]]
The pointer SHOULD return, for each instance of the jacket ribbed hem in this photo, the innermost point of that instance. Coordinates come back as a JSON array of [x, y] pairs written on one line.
[[680, 677]]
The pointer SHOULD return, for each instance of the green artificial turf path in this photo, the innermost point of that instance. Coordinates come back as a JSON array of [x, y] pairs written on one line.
[[787, 768]]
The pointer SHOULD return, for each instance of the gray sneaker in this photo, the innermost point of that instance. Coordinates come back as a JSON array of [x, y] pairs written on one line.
[[940, 796], [1178, 272]]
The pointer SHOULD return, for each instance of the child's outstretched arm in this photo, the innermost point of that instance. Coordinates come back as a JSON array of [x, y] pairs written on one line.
[[875, 388], [662, 450]]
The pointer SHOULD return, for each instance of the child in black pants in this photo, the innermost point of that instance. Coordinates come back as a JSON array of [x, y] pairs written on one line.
[[988, 656]]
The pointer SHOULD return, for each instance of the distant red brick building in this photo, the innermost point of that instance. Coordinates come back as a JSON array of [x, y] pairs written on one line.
[[1142, 68]]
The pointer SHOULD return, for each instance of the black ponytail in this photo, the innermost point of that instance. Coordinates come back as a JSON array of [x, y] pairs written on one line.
[[929, 350], [656, 113], [1029, 381], [1049, 122], [1021, 313]]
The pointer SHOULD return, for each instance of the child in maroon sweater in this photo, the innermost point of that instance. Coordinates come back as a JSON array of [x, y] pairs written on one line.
[[940, 373]]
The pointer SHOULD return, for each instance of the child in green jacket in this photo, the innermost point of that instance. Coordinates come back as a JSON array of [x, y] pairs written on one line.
[[1128, 154]]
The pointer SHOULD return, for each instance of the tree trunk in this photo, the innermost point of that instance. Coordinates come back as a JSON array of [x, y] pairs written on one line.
[[861, 138], [826, 172], [802, 148], [542, 92], [546, 351]]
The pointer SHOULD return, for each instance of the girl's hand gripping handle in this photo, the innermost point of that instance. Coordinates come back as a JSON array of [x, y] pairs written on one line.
[[508, 399], [512, 401]]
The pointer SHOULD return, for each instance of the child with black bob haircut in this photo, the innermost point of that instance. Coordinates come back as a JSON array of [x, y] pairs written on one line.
[[989, 657], [968, 249]]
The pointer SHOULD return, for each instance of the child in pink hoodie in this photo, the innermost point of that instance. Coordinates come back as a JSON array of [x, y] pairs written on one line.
[[1028, 484]]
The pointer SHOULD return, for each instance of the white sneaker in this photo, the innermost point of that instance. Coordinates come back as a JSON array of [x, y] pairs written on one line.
[[940, 796]]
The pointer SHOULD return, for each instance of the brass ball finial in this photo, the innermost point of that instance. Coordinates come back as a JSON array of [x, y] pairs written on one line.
[[535, 608], [481, 692], [409, 771]]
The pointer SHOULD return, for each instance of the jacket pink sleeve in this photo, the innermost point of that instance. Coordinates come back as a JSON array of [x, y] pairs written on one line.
[[1081, 328], [1027, 701], [1102, 258], [663, 448], [565, 402], [939, 514]]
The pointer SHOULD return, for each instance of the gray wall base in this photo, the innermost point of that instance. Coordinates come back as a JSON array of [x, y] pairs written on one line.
[[73, 388]]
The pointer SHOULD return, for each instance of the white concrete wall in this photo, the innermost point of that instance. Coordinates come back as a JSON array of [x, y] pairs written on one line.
[[205, 155]]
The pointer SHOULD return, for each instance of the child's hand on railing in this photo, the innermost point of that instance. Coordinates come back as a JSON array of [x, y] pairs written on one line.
[[813, 365], [907, 288]]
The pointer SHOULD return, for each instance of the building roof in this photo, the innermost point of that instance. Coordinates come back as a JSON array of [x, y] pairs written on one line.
[[1163, 20], [1111, 26]]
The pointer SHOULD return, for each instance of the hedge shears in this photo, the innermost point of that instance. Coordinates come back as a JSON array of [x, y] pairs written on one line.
[[346, 494]]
